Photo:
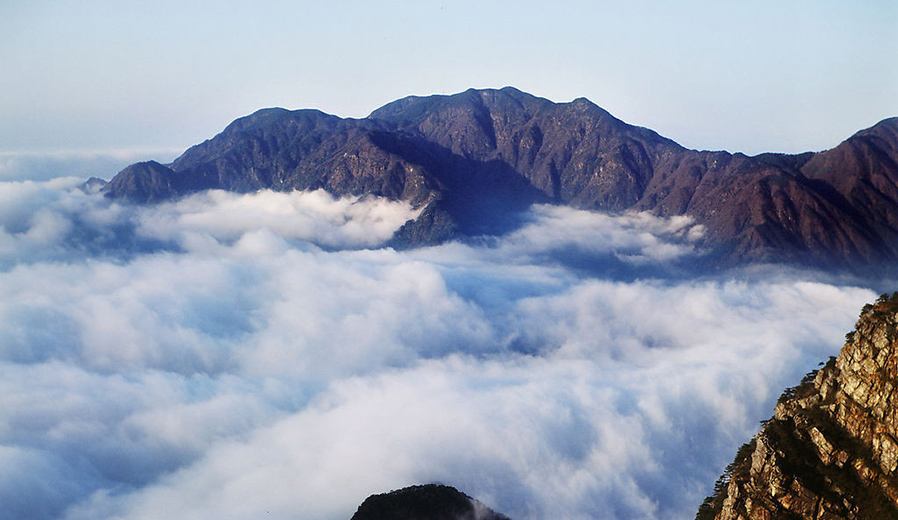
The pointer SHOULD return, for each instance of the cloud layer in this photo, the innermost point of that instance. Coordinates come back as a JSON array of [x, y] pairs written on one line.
[[241, 356]]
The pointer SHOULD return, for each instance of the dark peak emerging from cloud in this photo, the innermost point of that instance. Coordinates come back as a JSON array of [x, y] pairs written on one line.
[[93, 185], [476, 158], [148, 181], [831, 448], [427, 502]]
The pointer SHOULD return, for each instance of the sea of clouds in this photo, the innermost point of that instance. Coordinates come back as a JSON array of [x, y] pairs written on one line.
[[263, 355]]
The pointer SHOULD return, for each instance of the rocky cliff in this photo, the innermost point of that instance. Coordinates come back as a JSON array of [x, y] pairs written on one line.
[[476, 158], [831, 449]]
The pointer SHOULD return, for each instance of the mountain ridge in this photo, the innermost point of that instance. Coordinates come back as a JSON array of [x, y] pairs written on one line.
[[475, 159]]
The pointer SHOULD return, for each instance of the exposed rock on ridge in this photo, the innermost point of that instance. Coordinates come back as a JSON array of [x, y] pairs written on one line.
[[831, 449], [476, 158]]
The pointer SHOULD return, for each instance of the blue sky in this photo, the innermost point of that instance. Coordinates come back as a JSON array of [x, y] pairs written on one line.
[[749, 76]]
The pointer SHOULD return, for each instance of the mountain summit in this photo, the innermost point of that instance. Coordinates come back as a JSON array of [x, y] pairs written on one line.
[[427, 502], [473, 160]]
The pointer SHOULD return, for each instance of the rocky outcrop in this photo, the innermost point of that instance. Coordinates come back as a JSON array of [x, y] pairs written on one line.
[[427, 502], [476, 158], [831, 449]]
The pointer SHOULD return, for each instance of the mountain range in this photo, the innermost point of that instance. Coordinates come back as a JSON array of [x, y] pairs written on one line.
[[473, 161]]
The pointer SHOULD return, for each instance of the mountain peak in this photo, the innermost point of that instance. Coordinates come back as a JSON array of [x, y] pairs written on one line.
[[425, 502], [143, 182], [885, 129], [411, 108], [266, 116], [889, 122]]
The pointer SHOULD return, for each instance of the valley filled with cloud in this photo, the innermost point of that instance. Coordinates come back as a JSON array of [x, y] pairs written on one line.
[[268, 355]]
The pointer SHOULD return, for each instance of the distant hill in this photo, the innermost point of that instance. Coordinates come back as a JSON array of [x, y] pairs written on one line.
[[427, 502], [473, 160]]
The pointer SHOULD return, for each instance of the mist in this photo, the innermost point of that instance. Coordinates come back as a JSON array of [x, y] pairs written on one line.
[[245, 355]]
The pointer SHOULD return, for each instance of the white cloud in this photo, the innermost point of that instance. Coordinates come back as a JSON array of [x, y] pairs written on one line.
[[636, 237], [316, 216], [622, 423], [206, 356]]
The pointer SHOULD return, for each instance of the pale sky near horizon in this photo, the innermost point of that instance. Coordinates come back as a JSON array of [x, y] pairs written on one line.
[[743, 76]]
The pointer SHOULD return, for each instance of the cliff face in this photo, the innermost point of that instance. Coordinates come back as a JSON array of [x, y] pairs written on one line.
[[476, 158], [831, 449]]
